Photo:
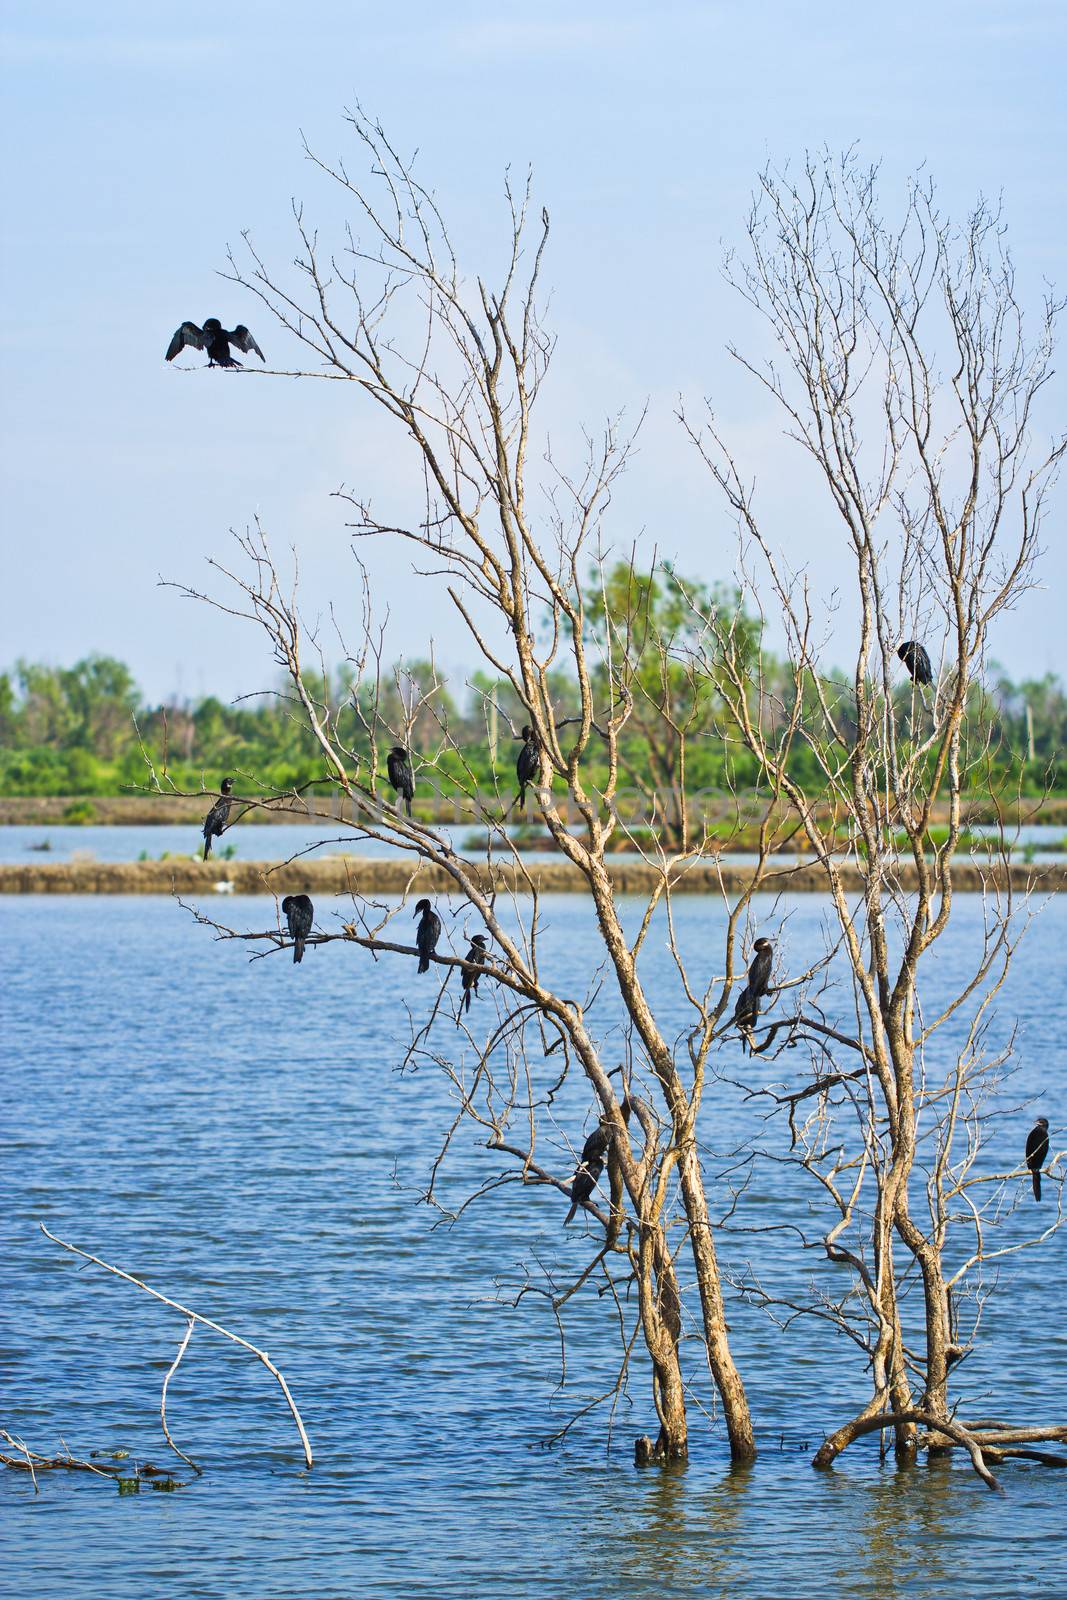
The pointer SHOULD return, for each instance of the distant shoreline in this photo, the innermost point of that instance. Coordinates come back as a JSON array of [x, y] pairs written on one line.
[[337, 875], [165, 810]]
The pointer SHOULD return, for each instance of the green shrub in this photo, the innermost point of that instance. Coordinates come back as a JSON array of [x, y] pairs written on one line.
[[79, 812]]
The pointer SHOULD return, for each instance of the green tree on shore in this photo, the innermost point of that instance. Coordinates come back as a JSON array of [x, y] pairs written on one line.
[[77, 730]]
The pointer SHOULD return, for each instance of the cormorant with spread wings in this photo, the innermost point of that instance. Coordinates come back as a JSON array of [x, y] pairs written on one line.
[[213, 338]]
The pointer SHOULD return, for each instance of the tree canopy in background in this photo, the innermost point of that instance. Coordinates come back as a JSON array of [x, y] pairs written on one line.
[[78, 730]]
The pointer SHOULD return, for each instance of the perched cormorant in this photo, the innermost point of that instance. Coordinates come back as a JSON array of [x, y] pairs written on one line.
[[213, 338], [916, 660], [427, 933], [591, 1162], [476, 955], [1037, 1151], [398, 765], [300, 914], [584, 1182], [759, 973], [527, 764], [747, 1008], [216, 819], [595, 1147], [757, 986]]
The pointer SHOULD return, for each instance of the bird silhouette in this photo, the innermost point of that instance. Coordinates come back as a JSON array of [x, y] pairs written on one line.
[[759, 973], [1037, 1152], [213, 338], [746, 1009], [757, 986], [916, 660], [584, 1182], [476, 956], [591, 1163], [427, 933], [527, 764], [299, 913], [398, 766], [217, 817]]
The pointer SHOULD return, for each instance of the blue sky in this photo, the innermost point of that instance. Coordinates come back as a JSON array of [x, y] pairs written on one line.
[[139, 140]]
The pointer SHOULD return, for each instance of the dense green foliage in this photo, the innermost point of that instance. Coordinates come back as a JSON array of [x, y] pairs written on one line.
[[79, 730]]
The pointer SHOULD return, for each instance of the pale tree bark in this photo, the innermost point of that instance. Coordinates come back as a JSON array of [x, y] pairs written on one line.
[[937, 488], [457, 365]]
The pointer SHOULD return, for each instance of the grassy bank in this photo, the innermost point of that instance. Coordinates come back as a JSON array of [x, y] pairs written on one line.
[[146, 810], [340, 874]]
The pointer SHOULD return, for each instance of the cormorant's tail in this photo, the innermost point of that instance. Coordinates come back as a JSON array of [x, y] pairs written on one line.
[[466, 999], [298, 950], [1036, 1175], [407, 804], [424, 963], [521, 797], [207, 845], [570, 1213]]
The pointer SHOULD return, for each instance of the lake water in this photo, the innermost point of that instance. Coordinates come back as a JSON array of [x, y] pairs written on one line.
[[21, 844], [237, 1133]]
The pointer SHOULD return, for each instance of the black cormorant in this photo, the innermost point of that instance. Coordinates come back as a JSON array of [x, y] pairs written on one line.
[[759, 973], [213, 338], [300, 914], [217, 817], [427, 933], [398, 765], [584, 1182], [916, 660], [476, 956], [527, 764], [747, 1008], [591, 1162], [757, 986], [1037, 1152], [595, 1147]]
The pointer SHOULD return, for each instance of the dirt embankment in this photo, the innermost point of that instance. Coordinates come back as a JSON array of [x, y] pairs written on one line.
[[342, 874], [144, 810], [125, 810]]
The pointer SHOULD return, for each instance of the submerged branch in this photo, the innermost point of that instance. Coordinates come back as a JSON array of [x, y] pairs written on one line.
[[194, 1317]]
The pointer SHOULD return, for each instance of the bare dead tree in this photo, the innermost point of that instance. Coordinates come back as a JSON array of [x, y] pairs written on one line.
[[899, 362], [458, 364]]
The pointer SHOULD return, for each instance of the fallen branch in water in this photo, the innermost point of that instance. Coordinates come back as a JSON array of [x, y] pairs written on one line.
[[29, 1461], [832, 1447], [1045, 1458], [194, 1317], [171, 1370]]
